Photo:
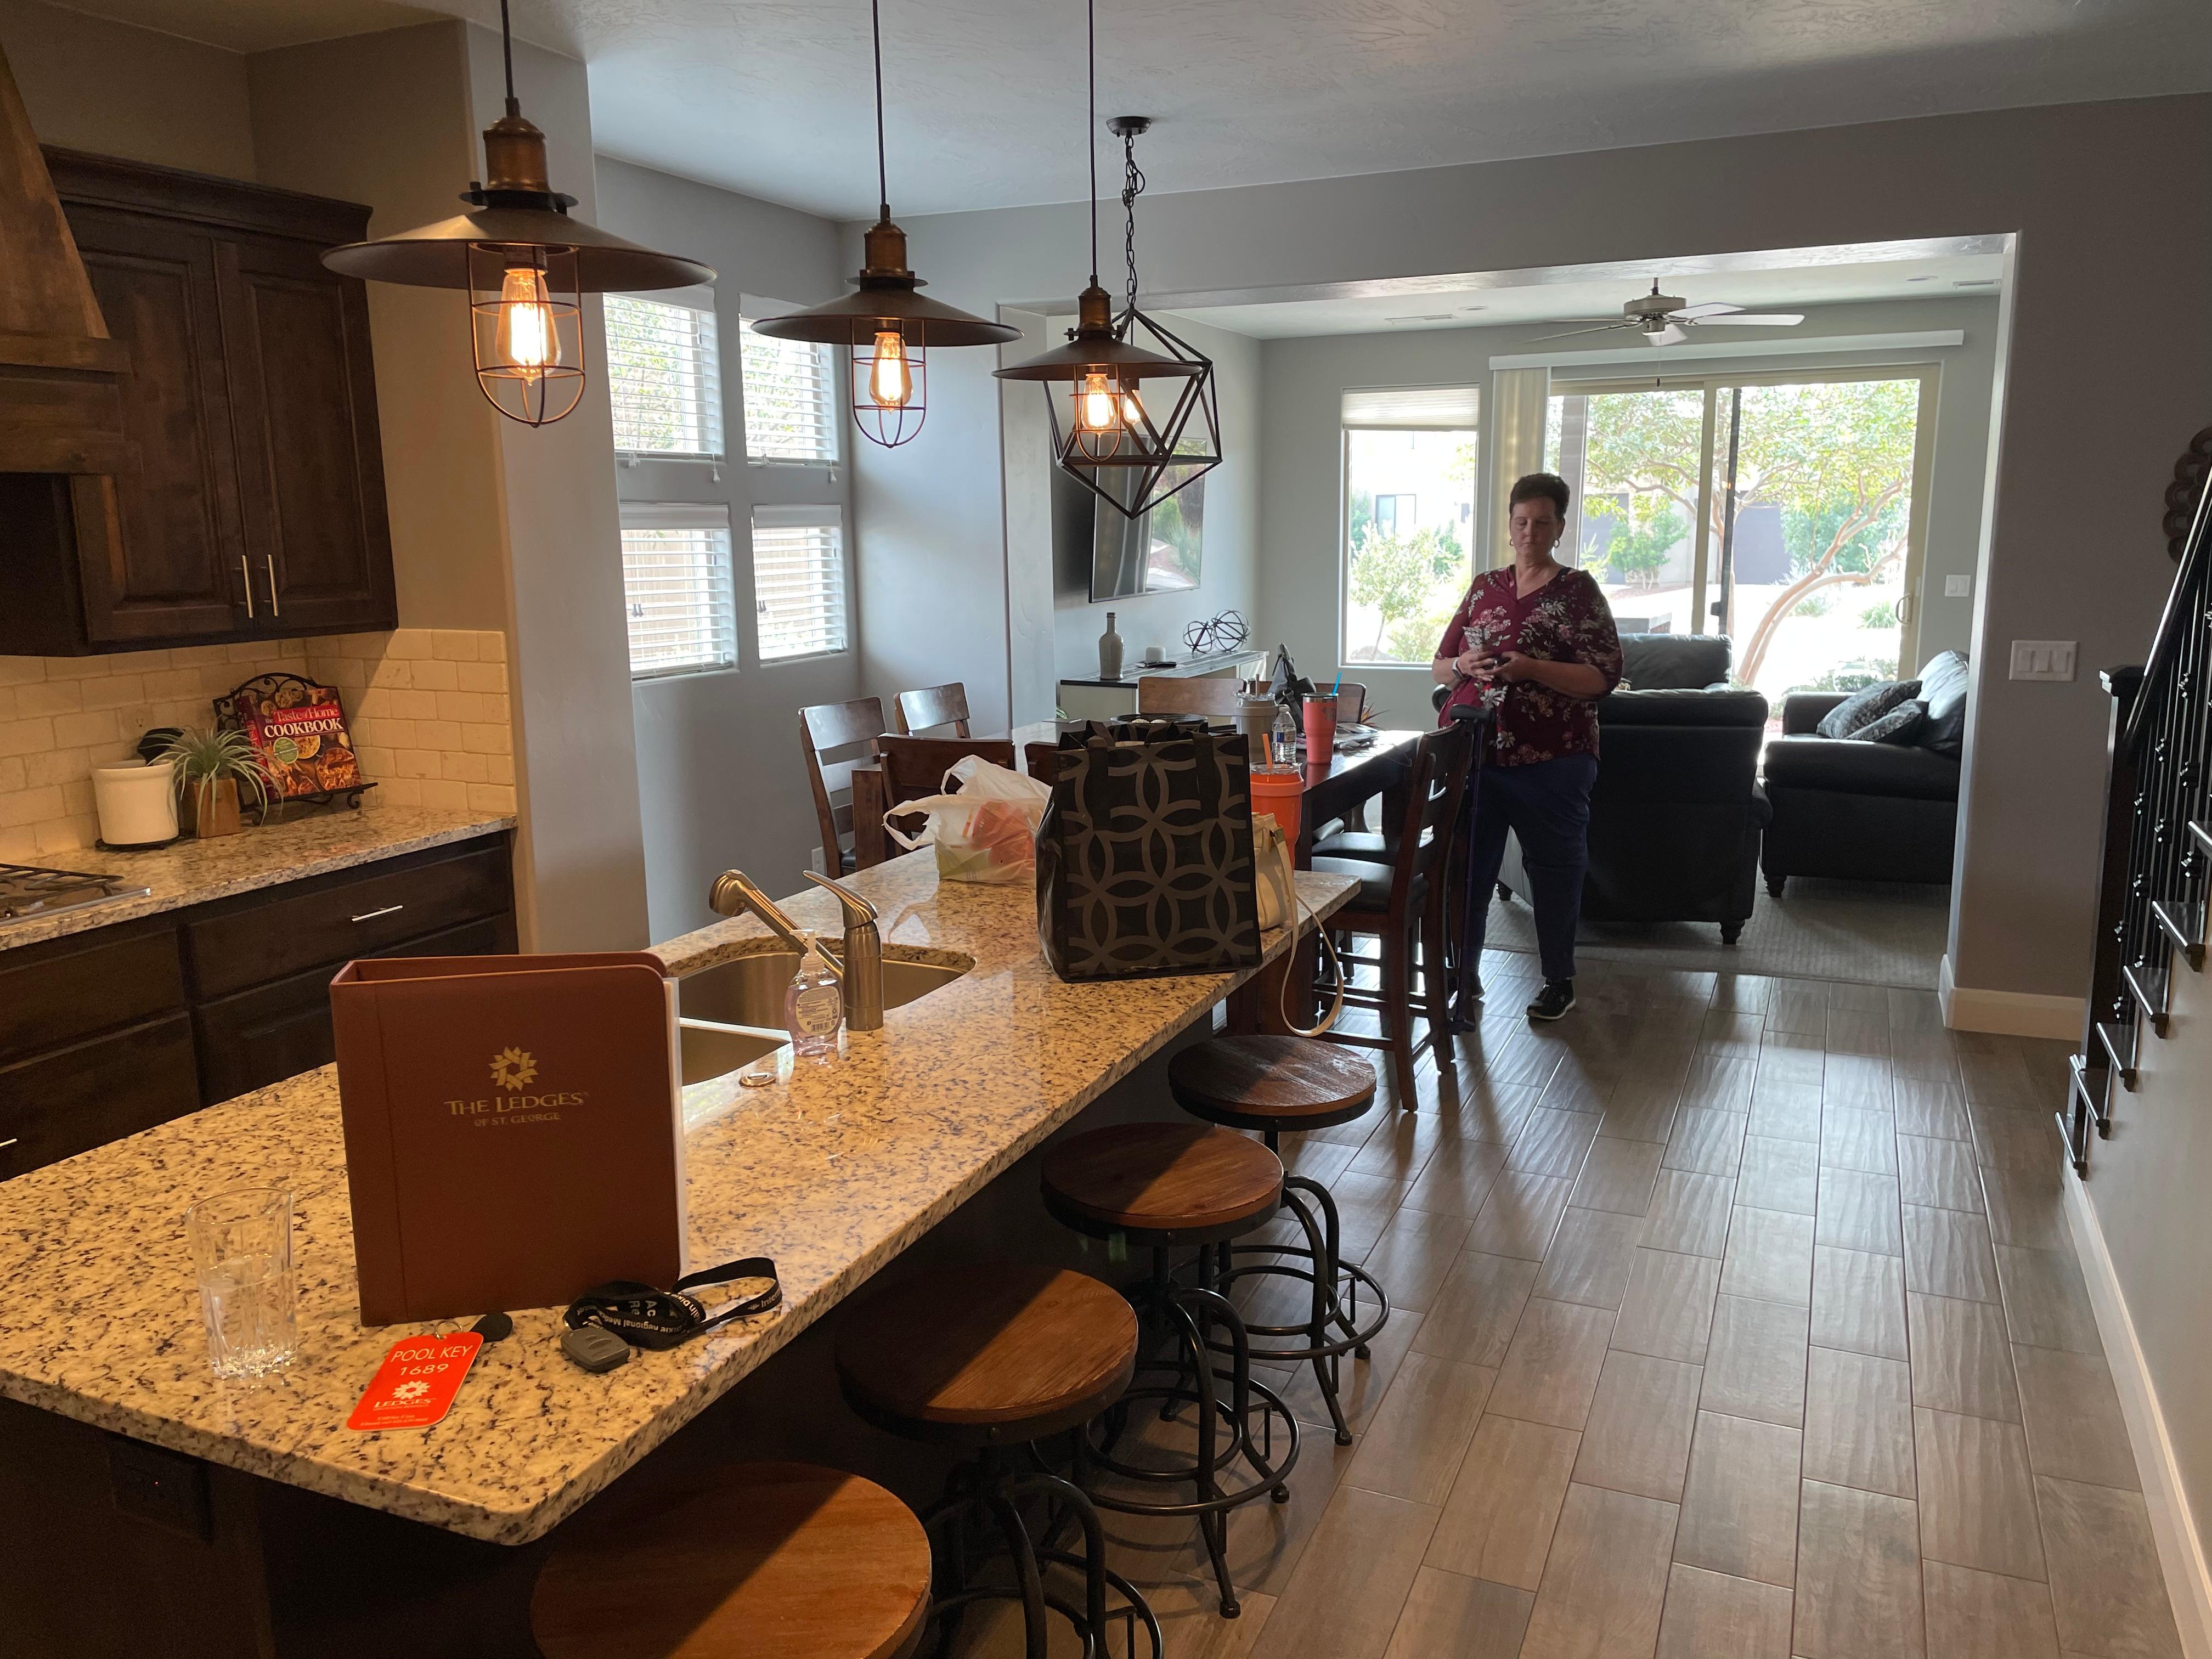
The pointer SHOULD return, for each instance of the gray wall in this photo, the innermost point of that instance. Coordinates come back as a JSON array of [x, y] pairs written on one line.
[[719, 775], [2093, 394], [1301, 481]]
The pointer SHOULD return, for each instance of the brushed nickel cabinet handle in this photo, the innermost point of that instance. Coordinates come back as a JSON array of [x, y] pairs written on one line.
[[245, 577], [275, 609], [371, 916]]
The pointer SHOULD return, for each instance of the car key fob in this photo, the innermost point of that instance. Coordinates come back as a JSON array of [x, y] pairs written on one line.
[[593, 1348]]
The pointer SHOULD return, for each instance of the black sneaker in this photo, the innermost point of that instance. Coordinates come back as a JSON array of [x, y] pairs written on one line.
[[1554, 1000]]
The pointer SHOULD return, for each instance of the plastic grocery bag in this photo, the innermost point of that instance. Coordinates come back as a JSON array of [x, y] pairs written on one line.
[[985, 833]]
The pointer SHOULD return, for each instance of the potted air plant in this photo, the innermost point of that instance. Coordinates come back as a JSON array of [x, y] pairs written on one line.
[[215, 768]]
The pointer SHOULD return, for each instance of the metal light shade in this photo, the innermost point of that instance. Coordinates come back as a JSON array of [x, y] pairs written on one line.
[[887, 327]]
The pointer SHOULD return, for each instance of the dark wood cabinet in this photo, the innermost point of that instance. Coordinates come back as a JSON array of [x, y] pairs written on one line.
[[114, 1030], [255, 508]]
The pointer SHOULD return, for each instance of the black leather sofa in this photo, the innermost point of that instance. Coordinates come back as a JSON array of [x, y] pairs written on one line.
[[1677, 814], [1867, 812]]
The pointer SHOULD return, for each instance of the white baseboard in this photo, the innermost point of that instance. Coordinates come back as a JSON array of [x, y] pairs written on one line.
[[2008, 1013], [2180, 1553]]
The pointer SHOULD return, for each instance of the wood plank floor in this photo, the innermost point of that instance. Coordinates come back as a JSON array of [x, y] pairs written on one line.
[[1732, 1316]]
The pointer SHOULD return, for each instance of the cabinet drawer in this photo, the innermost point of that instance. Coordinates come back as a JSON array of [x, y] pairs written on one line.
[[261, 1036], [361, 917], [76, 1098], [63, 993]]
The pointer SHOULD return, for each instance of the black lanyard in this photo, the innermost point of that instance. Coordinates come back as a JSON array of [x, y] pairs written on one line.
[[647, 1318]]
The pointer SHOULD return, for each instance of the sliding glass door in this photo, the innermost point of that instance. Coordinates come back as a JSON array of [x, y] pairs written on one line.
[[1778, 509]]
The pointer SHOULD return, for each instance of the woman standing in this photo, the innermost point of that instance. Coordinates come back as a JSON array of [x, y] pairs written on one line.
[[1536, 640]]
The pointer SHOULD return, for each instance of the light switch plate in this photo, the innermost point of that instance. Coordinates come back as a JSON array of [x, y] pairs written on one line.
[[1959, 587], [2043, 659]]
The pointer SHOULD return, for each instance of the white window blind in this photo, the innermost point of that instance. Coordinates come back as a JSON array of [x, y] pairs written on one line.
[[791, 394], [664, 375], [676, 588], [1418, 408], [799, 579]]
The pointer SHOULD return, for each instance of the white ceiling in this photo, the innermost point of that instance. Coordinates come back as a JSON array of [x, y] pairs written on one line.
[[771, 97]]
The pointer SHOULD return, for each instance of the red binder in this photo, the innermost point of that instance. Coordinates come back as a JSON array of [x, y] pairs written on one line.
[[513, 1129]]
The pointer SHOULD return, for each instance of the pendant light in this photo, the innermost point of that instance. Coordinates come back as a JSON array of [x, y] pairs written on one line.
[[1108, 441], [526, 263], [886, 326]]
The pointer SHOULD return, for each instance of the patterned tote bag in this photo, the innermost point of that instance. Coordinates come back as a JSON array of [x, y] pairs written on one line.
[[1145, 855]]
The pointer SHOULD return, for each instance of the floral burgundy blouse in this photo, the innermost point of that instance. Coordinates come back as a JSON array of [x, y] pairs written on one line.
[[1565, 620]]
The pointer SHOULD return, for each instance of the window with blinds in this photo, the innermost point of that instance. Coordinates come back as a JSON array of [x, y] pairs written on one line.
[[1413, 408], [791, 394], [665, 375], [799, 581], [677, 588]]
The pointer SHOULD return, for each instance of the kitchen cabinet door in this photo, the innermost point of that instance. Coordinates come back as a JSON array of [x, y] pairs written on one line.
[[311, 467], [73, 1099], [178, 572]]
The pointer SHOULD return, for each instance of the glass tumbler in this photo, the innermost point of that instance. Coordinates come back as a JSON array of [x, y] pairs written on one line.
[[242, 1245]]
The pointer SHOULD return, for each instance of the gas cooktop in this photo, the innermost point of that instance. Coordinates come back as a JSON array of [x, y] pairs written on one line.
[[27, 891]]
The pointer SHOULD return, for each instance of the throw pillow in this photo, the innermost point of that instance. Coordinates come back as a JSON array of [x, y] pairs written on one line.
[[1943, 689], [1864, 707], [1901, 725]]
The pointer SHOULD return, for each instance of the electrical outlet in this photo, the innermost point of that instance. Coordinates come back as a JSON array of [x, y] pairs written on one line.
[[2043, 659], [1959, 587]]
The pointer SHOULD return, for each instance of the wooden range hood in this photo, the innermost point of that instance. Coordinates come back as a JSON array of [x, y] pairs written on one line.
[[62, 380]]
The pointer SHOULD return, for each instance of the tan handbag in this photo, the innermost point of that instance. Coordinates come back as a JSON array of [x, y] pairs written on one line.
[[1275, 881]]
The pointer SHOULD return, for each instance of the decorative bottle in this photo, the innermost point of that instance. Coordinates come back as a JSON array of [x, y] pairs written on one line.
[[814, 1006], [1109, 652]]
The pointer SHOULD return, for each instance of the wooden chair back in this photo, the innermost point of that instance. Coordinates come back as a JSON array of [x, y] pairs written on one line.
[[1215, 696], [835, 737], [915, 768], [1042, 760], [932, 706]]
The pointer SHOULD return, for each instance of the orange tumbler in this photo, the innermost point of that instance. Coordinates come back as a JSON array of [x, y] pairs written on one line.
[[1281, 792]]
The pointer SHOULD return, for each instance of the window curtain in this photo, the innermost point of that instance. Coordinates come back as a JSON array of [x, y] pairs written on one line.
[[1520, 401]]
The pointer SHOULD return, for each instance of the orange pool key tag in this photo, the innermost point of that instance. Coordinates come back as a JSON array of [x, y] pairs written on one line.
[[415, 1384]]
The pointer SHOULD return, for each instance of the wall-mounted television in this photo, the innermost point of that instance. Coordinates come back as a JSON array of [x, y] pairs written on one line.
[[1106, 554]]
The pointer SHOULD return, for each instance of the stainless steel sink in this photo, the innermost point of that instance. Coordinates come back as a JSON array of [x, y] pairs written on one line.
[[732, 1013]]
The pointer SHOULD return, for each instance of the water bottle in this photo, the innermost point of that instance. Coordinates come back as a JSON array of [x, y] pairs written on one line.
[[1286, 742], [814, 1006]]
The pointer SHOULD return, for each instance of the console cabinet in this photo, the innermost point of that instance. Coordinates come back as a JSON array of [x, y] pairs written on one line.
[[117, 1029]]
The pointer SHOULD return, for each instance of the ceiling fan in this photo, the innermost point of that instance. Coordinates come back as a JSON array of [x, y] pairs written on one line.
[[1663, 319]]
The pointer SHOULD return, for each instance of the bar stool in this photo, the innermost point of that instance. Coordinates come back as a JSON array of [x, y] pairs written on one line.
[[1161, 1185], [788, 1558], [983, 1359], [1285, 1084]]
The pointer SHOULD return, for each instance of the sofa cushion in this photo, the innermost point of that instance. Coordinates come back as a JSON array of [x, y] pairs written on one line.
[[1673, 662], [1860, 768], [1864, 707], [1901, 725], [1685, 707], [1943, 683]]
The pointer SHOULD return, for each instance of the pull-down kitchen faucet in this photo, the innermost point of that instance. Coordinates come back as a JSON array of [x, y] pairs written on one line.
[[859, 966]]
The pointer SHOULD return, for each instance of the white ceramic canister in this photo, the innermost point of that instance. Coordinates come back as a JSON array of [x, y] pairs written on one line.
[[137, 804]]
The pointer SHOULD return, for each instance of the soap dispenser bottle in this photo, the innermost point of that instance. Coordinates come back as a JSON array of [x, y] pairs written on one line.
[[814, 1006]]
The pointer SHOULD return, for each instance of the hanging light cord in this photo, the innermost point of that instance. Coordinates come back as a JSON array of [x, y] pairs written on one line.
[[506, 55], [1089, 126], [883, 178], [1133, 186]]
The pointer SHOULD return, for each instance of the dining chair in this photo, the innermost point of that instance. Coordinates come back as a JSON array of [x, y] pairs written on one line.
[[1214, 696], [835, 737], [915, 768], [1042, 761], [931, 707]]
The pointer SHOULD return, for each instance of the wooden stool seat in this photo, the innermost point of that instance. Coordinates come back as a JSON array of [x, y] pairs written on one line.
[[1183, 1181], [1008, 1353], [1271, 1083], [783, 1558]]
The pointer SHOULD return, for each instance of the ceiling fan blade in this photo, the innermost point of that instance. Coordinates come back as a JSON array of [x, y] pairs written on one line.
[[1600, 329], [1698, 313], [1668, 335], [1759, 320]]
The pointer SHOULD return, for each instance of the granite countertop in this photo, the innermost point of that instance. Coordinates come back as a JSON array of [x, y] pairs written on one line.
[[302, 843], [833, 1172]]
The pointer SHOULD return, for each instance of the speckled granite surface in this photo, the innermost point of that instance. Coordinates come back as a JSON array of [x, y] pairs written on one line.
[[833, 1172], [305, 843]]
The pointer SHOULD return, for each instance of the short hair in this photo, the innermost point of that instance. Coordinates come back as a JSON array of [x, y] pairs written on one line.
[[1547, 486]]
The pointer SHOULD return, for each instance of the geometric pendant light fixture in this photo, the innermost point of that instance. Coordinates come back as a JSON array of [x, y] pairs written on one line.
[[1105, 435], [525, 262], [886, 324]]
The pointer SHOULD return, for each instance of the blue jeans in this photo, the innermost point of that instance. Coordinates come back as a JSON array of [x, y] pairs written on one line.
[[1546, 804]]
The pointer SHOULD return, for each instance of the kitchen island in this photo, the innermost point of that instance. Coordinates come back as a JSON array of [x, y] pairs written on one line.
[[834, 1171]]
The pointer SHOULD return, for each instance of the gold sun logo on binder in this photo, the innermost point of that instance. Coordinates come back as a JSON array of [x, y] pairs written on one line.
[[511, 1068]]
